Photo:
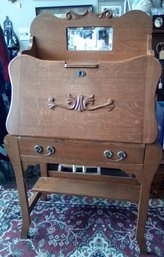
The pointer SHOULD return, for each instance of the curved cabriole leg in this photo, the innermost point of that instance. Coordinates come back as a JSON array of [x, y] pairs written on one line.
[[153, 155], [11, 144]]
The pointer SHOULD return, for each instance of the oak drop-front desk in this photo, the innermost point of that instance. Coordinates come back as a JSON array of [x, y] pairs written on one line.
[[84, 94]]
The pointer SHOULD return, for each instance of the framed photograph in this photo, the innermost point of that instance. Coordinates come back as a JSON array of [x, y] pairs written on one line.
[[60, 11], [118, 7]]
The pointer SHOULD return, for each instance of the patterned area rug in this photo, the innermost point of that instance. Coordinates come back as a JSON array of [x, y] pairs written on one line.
[[70, 226]]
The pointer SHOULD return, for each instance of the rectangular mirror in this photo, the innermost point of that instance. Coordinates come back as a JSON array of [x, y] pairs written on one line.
[[89, 38]]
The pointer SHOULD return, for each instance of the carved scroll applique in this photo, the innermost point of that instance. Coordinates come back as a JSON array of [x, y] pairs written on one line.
[[80, 103], [73, 16], [106, 14]]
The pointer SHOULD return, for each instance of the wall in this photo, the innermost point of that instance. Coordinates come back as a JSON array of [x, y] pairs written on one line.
[[22, 17]]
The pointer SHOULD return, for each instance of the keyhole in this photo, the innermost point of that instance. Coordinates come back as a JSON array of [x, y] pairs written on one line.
[[80, 73]]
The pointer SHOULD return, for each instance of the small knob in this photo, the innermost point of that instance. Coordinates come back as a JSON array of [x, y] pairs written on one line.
[[50, 149], [38, 148], [122, 155], [108, 154]]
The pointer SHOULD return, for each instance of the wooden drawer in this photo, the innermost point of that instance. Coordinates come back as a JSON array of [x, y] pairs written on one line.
[[80, 152]]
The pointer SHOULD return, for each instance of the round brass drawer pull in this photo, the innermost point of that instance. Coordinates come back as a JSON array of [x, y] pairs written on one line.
[[120, 154], [108, 154], [39, 149]]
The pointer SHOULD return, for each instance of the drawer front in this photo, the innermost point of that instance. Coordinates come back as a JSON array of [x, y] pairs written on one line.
[[81, 152]]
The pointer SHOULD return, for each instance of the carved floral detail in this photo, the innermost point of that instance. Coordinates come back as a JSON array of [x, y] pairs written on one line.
[[106, 14], [72, 15], [80, 103]]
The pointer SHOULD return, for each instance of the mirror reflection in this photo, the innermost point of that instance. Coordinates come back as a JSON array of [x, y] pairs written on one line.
[[89, 38]]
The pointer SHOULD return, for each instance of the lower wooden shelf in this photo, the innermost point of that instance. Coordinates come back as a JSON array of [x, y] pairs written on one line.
[[87, 188]]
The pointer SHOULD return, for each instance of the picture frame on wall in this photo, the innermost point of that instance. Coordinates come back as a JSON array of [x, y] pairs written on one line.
[[60, 11], [118, 7]]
